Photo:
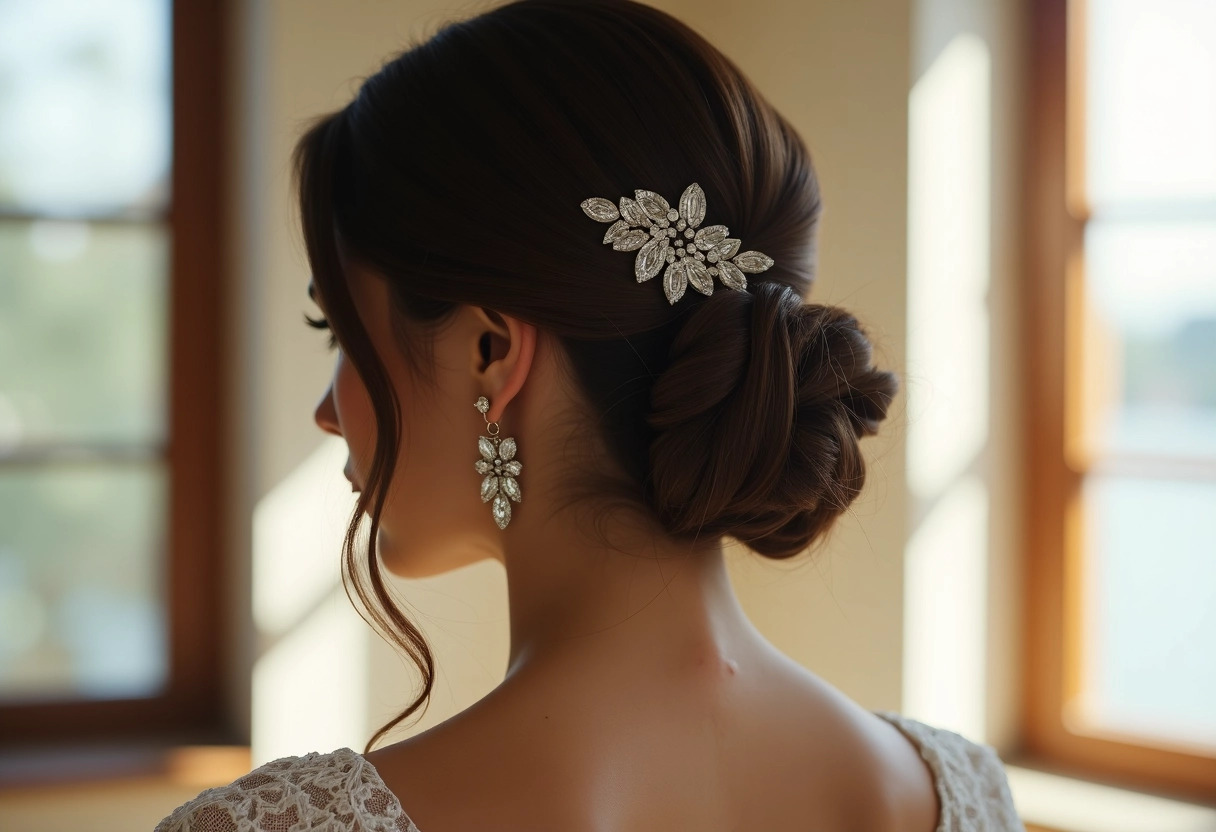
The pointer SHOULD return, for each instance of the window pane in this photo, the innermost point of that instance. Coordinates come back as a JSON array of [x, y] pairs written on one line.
[[1150, 343], [85, 113], [1150, 608], [1151, 100], [82, 333], [81, 598]]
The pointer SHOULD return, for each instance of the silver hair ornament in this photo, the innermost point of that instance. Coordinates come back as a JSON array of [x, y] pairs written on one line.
[[661, 234]]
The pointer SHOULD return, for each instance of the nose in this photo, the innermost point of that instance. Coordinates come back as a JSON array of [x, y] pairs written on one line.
[[326, 415]]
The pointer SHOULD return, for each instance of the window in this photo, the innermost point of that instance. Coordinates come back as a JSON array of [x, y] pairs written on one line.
[[1121, 419], [110, 428]]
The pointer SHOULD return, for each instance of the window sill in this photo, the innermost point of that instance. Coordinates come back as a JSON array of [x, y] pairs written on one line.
[[111, 788], [1063, 804], [201, 766]]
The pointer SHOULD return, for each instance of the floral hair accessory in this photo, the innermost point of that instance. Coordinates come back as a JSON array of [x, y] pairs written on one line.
[[662, 234]]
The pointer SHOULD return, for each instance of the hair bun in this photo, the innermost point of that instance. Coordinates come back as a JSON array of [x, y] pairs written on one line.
[[757, 419]]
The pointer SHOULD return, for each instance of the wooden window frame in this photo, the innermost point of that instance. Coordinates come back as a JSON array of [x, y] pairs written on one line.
[[190, 708], [1056, 213]]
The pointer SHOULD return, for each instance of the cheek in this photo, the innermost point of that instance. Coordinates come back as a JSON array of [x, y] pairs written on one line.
[[435, 516], [354, 410]]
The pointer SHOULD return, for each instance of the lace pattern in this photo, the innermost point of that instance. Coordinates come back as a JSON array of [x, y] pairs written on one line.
[[342, 792], [971, 781], [336, 792]]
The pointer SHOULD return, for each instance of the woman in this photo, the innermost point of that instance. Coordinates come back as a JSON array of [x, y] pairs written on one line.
[[563, 249]]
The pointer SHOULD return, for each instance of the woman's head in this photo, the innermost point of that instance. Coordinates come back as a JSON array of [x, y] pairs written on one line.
[[446, 198]]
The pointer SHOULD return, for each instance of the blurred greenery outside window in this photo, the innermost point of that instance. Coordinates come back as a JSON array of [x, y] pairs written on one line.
[[85, 154]]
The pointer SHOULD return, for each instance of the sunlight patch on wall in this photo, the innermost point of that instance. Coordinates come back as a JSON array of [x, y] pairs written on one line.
[[310, 675], [949, 194], [944, 633]]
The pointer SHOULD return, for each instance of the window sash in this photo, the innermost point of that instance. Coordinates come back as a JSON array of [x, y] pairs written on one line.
[[190, 708], [1055, 213]]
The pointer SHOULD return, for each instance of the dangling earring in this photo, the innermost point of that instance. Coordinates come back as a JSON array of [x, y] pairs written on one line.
[[500, 467]]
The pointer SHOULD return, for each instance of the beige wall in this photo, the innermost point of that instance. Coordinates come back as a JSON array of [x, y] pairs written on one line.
[[841, 70]]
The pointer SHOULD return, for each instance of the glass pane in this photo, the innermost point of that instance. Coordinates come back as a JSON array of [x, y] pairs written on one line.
[[85, 106], [83, 333], [81, 584], [1151, 100], [1150, 340], [1150, 608]]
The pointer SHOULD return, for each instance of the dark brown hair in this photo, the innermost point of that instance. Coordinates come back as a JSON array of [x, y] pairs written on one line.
[[457, 173]]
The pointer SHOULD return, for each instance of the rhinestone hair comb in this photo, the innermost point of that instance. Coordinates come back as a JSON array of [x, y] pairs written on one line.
[[664, 235]]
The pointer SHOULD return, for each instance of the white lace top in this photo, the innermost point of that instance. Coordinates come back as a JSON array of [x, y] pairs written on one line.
[[342, 792]]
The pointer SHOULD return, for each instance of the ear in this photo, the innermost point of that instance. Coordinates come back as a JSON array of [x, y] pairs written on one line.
[[502, 357]]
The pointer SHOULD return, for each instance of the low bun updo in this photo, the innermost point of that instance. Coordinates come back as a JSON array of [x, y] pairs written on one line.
[[757, 419], [457, 174]]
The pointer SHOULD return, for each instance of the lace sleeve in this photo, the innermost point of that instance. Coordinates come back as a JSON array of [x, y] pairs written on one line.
[[335, 792], [971, 780]]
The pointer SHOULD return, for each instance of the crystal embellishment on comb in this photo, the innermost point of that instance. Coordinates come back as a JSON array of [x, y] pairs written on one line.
[[662, 235]]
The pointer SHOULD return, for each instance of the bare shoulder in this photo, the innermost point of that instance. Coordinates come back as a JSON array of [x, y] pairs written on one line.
[[803, 755], [879, 775], [905, 795]]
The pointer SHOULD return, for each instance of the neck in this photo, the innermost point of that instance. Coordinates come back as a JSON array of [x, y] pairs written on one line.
[[638, 603], [607, 592]]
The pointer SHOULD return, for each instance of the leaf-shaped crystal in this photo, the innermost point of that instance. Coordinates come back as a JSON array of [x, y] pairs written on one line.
[[506, 448], [599, 209], [692, 205], [675, 280], [501, 509], [633, 213], [730, 275], [511, 488], [710, 236], [489, 487], [483, 467], [650, 259], [752, 261], [631, 240], [513, 468], [654, 205], [486, 448], [615, 231], [699, 277], [636, 225], [726, 249]]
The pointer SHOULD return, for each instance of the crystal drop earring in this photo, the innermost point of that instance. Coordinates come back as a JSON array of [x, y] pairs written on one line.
[[499, 467]]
